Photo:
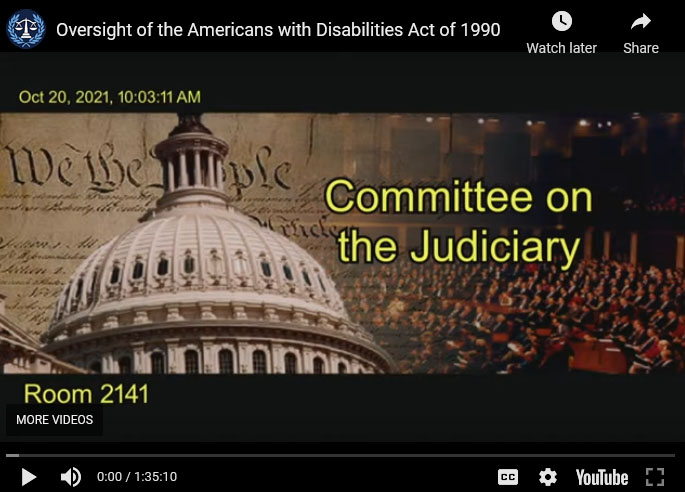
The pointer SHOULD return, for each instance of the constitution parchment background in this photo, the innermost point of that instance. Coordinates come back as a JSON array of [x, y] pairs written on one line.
[[70, 182]]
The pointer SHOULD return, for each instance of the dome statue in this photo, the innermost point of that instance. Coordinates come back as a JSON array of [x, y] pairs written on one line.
[[199, 287]]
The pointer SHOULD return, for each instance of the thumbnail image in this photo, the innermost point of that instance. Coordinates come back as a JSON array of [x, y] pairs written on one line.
[[208, 244]]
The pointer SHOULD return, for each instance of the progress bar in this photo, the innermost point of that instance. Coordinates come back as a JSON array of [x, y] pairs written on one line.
[[343, 455]]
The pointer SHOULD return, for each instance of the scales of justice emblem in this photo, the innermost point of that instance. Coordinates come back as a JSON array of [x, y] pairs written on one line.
[[26, 29]]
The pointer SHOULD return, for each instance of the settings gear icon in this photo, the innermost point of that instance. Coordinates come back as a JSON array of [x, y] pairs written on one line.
[[548, 477]]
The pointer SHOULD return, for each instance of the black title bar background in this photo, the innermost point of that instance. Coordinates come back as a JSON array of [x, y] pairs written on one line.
[[609, 28]]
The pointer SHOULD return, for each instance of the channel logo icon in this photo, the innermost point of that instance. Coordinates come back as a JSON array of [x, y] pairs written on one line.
[[26, 29], [507, 476]]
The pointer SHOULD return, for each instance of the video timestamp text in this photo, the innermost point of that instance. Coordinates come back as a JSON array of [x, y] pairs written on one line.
[[109, 98]]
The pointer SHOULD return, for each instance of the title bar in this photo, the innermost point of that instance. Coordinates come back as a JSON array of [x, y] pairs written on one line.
[[536, 31]]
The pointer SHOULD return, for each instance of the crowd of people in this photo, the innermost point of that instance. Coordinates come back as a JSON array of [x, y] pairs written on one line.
[[659, 202], [506, 318]]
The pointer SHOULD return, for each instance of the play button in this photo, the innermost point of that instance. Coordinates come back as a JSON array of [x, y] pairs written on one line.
[[26, 476]]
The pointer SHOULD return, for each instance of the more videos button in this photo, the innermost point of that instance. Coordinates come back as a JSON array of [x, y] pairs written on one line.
[[507, 476], [54, 420]]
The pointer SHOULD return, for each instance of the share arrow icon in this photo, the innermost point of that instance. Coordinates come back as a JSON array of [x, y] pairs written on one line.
[[641, 21]]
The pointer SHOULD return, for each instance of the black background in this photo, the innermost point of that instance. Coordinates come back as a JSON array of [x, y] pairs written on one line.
[[579, 407], [358, 82], [427, 418], [609, 28], [351, 473]]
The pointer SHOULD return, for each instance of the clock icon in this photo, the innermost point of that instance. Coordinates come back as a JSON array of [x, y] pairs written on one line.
[[562, 21]]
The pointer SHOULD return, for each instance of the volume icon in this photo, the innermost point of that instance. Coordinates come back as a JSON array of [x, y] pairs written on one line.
[[72, 476]]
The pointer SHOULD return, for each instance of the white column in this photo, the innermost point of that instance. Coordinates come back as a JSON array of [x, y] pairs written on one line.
[[108, 366], [244, 360], [171, 183], [307, 367], [215, 356], [184, 169], [329, 362], [333, 363], [208, 361], [138, 358], [198, 169], [219, 174], [300, 360], [277, 366], [173, 357], [145, 365], [211, 170]]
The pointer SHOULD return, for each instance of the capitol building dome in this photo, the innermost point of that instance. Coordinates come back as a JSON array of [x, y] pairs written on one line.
[[199, 287]]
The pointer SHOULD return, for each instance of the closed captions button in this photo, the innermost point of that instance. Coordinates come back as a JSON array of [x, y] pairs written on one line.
[[507, 476]]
